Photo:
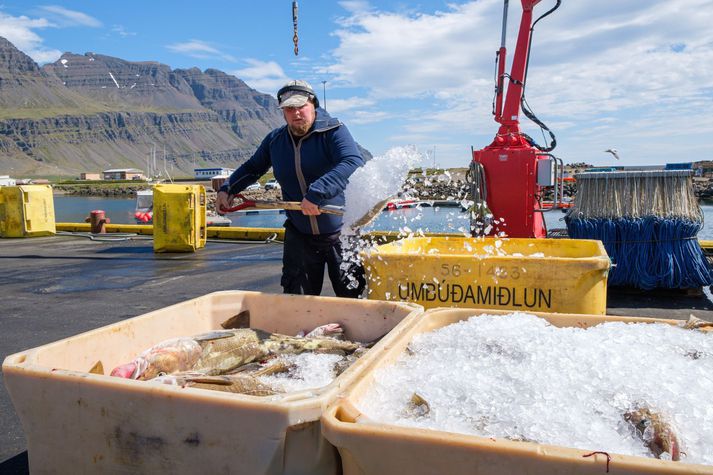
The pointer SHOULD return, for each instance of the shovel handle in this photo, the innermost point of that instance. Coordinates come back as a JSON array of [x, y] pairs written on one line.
[[245, 203], [289, 205]]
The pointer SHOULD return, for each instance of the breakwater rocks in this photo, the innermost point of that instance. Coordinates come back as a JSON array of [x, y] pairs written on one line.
[[417, 188], [108, 191], [703, 190]]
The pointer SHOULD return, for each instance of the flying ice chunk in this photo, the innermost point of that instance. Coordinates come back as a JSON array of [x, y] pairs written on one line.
[[379, 179]]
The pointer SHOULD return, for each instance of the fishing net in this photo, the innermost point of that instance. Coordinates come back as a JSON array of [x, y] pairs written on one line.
[[648, 222], [638, 194]]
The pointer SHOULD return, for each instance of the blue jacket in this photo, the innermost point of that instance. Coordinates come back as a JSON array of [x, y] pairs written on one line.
[[317, 166]]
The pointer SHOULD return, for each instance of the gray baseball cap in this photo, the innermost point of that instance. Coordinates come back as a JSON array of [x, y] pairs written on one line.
[[296, 93]]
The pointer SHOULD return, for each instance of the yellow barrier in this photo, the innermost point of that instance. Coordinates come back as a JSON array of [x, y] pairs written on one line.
[[179, 218], [218, 232], [26, 211]]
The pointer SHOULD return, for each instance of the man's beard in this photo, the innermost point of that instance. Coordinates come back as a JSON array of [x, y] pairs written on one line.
[[299, 131]]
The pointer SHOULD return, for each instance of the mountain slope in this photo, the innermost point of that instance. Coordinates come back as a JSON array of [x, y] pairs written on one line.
[[91, 112]]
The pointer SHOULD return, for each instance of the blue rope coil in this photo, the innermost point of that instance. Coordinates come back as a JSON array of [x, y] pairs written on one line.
[[650, 252]]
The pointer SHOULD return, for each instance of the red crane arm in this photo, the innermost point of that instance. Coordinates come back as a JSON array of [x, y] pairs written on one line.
[[509, 119]]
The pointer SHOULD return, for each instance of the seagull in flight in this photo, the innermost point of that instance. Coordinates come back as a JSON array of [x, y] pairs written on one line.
[[613, 151]]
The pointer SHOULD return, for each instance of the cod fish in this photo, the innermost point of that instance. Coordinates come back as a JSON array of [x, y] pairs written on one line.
[[695, 323], [169, 356], [655, 431], [278, 344], [223, 351], [234, 383], [342, 365], [417, 406], [211, 353], [332, 330]]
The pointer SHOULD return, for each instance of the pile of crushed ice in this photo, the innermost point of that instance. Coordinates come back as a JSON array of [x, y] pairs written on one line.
[[518, 377], [310, 371]]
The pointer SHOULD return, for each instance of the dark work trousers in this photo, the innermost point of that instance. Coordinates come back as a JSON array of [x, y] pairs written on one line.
[[303, 261]]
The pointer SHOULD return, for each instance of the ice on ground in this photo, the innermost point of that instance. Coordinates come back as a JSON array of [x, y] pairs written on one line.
[[520, 378]]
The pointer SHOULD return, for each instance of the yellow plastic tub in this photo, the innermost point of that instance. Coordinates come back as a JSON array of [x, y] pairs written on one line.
[[179, 218], [376, 449], [77, 422], [26, 211], [546, 275]]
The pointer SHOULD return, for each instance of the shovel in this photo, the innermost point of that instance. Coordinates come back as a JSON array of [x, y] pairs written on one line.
[[367, 218], [276, 204]]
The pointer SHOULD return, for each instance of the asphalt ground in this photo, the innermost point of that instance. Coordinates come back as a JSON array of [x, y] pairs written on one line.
[[55, 287]]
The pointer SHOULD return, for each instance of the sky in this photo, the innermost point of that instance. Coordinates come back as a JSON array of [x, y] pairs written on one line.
[[635, 75]]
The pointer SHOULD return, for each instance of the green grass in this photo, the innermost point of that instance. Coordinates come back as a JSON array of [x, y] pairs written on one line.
[[435, 171], [89, 109]]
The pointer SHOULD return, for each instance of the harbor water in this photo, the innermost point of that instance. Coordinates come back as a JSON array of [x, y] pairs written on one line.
[[74, 209]]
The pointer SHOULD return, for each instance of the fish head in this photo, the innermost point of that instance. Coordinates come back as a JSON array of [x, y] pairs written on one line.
[[132, 370], [158, 364], [124, 371], [328, 330]]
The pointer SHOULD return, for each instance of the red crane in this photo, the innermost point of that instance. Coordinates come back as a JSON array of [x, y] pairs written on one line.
[[508, 167]]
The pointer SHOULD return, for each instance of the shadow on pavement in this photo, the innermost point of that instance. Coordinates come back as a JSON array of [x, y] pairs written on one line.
[[16, 465]]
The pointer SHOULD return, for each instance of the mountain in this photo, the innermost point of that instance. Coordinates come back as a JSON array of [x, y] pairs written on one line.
[[87, 113]]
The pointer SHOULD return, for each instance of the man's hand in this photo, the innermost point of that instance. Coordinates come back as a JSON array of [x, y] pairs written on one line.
[[309, 208], [223, 201]]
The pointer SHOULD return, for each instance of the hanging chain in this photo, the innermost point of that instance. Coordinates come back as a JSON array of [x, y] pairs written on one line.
[[295, 38]]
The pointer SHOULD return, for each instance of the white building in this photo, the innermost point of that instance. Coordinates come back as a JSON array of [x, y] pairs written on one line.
[[208, 173], [123, 174], [5, 180]]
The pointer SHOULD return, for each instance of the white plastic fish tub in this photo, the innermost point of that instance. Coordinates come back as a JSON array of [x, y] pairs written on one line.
[[383, 448], [78, 422]]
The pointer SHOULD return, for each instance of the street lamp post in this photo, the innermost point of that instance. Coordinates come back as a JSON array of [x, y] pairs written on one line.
[[324, 94]]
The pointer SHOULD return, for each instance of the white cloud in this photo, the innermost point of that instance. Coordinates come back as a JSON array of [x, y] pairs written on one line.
[[398, 55], [65, 17], [44, 56], [200, 49], [355, 6], [613, 64], [20, 32], [349, 104], [266, 76], [361, 117], [121, 31]]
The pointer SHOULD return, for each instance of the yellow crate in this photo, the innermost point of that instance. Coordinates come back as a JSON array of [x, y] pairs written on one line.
[[179, 218], [370, 448], [26, 211], [547, 275]]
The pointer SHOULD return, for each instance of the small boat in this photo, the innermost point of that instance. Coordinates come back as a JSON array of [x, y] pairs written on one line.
[[144, 211], [393, 205], [399, 204]]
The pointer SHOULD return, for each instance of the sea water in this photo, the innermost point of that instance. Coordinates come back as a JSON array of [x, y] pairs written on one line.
[[74, 209], [520, 378]]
